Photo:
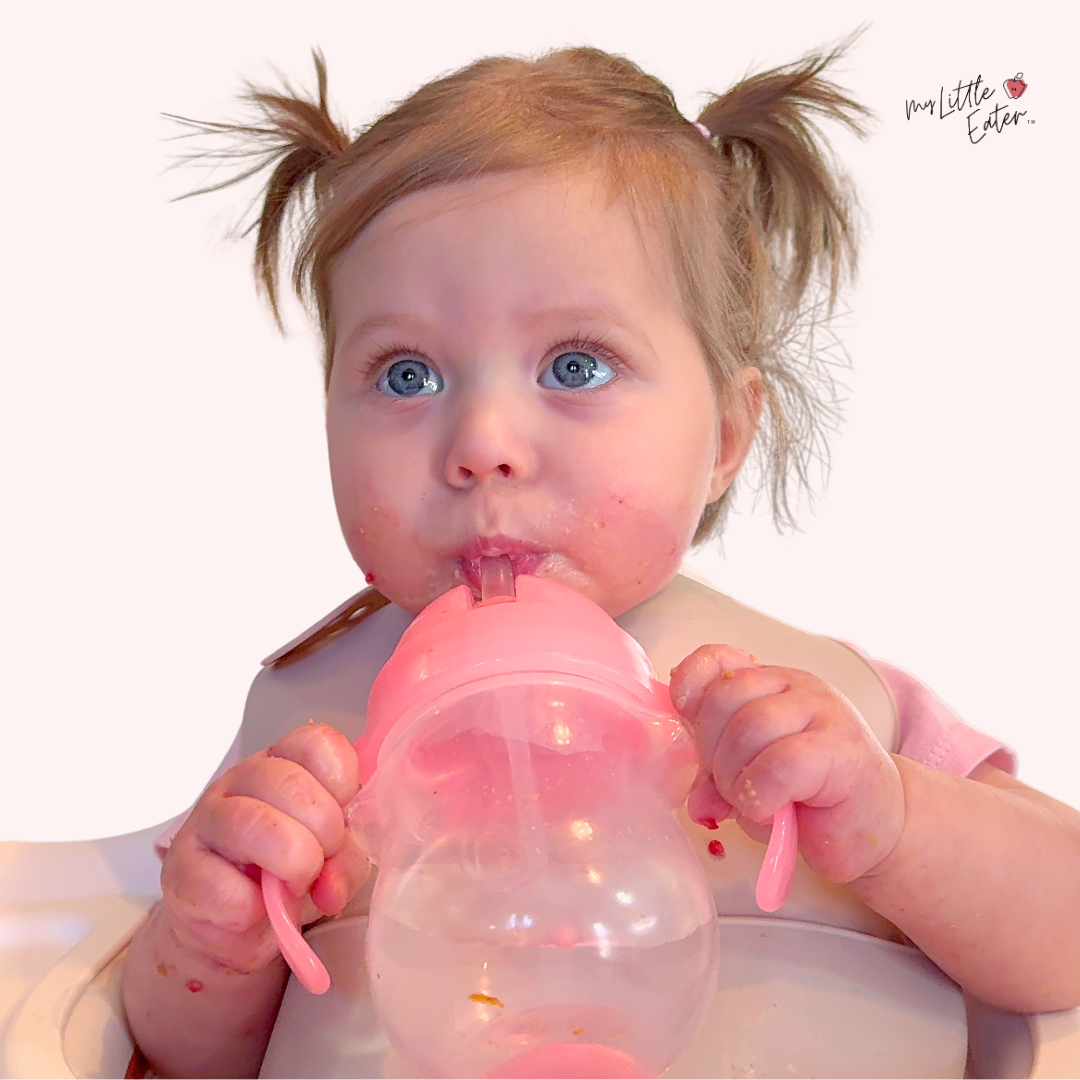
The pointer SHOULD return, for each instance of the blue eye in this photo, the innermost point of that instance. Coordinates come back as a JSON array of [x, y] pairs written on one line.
[[571, 370], [574, 370], [410, 378]]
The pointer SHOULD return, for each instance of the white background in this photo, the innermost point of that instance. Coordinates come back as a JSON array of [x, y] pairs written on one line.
[[168, 516]]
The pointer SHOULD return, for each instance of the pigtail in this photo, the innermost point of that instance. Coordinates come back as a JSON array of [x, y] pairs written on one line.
[[797, 212], [296, 137], [789, 216]]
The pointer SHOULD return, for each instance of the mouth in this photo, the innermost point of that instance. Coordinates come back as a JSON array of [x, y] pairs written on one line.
[[525, 558]]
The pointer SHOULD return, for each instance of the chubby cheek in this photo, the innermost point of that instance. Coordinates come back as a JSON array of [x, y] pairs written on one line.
[[629, 548], [378, 520], [370, 521], [636, 516], [380, 543], [365, 523], [643, 510]]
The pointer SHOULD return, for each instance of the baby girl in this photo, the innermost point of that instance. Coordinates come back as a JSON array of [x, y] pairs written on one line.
[[557, 313]]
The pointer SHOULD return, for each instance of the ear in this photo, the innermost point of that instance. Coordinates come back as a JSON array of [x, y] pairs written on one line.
[[736, 425]]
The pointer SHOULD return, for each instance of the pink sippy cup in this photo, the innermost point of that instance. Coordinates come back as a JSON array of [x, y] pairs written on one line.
[[539, 911]]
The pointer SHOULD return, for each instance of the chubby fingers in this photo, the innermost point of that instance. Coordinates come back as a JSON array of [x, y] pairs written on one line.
[[342, 876], [205, 890], [291, 789], [247, 831], [752, 727], [691, 678], [705, 804], [326, 754], [712, 684], [690, 681], [282, 809], [745, 717]]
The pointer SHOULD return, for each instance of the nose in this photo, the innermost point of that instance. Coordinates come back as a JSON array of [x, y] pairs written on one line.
[[489, 441]]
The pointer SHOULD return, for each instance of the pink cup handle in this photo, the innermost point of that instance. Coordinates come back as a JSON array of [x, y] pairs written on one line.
[[774, 880], [306, 966]]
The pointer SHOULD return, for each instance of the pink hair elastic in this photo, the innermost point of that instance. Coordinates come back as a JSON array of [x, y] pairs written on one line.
[[705, 132]]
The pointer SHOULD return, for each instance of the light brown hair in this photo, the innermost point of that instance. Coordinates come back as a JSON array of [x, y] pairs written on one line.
[[758, 220]]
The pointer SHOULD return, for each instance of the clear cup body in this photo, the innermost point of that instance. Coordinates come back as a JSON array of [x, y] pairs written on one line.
[[539, 910]]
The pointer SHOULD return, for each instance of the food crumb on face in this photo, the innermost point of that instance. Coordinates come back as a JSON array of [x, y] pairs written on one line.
[[716, 849], [486, 999], [194, 985], [578, 1031]]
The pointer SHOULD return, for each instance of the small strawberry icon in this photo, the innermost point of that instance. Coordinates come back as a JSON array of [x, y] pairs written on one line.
[[1015, 87]]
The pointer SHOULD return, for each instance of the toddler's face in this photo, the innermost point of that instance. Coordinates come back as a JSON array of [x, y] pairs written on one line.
[[513, 363]]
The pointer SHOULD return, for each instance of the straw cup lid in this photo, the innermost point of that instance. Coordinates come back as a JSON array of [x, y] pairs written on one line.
[[547, 627]]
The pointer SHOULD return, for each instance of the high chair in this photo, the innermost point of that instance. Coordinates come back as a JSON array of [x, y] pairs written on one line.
[[68, 911]]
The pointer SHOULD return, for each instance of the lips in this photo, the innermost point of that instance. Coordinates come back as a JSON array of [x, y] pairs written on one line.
[[525, 558]]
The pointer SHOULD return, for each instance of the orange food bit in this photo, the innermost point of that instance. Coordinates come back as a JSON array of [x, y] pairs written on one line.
[[486, 999]]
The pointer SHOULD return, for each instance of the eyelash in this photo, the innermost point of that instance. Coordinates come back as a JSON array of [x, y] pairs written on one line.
[[583, 342]]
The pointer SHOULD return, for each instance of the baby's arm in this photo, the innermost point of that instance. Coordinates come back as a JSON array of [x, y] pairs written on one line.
[[983, 874], [203, 977], [985, 879], [192, 1015]]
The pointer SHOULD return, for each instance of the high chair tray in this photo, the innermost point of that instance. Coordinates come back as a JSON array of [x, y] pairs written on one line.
[[793, 999], [61, 1012]]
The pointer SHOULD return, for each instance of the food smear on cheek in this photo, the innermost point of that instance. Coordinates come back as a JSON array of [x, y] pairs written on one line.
[[378, 542], [610, 548], [629, 547]]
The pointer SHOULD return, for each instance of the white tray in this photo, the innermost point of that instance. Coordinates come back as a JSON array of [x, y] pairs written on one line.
[[793, 1000]]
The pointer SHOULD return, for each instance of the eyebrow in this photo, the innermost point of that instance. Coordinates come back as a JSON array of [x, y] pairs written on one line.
[[597, 313], [530, 319], [378, 322]]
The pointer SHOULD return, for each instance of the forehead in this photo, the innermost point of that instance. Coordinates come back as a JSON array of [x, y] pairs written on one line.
[[541, 235]]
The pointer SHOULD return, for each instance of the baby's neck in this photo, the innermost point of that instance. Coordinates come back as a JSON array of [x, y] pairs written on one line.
[[668, 625], [659, 599]]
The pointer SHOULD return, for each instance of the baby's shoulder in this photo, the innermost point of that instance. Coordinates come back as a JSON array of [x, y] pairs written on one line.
[[325, 673], [690, 612]]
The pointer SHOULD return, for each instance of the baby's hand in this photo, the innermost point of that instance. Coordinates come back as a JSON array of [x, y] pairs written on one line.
[[767, 736], [281, 809]]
